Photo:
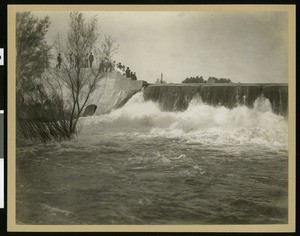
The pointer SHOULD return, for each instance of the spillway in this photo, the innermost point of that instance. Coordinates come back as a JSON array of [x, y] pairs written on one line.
[[176, 97]]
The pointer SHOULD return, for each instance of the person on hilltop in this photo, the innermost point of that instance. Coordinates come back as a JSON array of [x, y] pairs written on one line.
[[59, 60], [91, 59]]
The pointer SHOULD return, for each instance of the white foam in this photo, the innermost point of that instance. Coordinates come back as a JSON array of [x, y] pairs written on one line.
[[200, 123]]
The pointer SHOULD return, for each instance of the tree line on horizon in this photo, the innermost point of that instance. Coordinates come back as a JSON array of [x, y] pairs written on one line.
[[49, 103], [210, 79]]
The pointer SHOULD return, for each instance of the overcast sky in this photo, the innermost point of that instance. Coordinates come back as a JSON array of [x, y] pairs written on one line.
[[242, 46]]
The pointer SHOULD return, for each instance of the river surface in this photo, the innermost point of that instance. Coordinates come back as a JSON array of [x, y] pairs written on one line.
[[140, 165]]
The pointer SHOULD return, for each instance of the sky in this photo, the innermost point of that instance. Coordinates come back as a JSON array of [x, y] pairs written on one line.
[[246, 47]]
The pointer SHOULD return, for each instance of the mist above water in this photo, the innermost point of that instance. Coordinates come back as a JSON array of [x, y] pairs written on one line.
[[199, 123]]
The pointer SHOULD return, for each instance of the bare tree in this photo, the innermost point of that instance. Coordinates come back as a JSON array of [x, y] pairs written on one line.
[[74, 80], [109, 47]]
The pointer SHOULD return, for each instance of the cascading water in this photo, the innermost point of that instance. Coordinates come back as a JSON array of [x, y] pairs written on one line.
[[177, 97], [147, 117], [141, 164]]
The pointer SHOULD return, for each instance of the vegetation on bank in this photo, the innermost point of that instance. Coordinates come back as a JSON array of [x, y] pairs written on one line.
[[210, 79], [49, 103]]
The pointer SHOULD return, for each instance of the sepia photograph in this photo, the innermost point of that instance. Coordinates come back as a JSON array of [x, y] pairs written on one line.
[[162, 116]]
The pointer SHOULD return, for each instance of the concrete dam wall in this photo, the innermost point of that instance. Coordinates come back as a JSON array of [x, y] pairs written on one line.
[[176, 97], [112, 92]]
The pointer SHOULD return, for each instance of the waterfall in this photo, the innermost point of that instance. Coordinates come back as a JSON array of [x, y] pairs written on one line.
[[177, 97]]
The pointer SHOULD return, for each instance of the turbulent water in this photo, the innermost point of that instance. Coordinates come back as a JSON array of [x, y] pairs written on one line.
[[140, 165]]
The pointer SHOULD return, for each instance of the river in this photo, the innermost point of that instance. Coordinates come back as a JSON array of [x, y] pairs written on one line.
[[140, 165]]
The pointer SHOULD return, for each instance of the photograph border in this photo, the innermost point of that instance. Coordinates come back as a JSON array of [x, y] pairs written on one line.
[[11, 111]]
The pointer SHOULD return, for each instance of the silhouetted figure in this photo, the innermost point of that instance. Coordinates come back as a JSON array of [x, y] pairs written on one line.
[[91, 59], [101, 66], [109, 66], [71, 60], [58, 61], [104, 65], [134, 76], [77, 61], [131, 75], [86, 61], [120, 65], [127, 72]]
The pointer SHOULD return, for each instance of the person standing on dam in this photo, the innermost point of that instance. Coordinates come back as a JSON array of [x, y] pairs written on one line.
[[71, 60], [59, 59], [86, 61], [104, 65], [77, 61], [120, 65], [101, 66], [109, 65], [134, 76], [91, 59], [127, 72]]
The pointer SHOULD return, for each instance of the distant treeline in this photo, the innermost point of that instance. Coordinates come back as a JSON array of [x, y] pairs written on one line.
[[210, 79]]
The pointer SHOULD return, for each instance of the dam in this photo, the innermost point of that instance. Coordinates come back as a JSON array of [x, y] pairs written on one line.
[[113, 91], [176, 97]]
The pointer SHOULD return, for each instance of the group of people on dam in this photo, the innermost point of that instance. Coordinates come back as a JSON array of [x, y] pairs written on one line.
[[108, 66], [75, 61], [105, 65], [129, 73]]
